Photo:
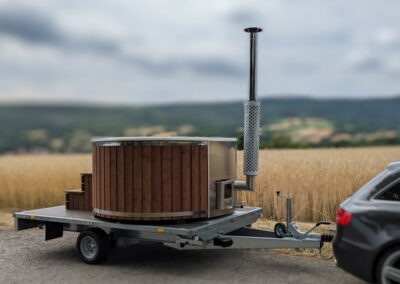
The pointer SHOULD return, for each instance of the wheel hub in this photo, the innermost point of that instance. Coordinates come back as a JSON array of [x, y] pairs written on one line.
[[88, 247], [391, 269]]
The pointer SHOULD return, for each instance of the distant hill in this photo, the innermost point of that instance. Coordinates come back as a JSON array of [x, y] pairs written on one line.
[[291, 122]]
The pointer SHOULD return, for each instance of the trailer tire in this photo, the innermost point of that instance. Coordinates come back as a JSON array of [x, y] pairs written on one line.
[[280, 230], [93, 246]]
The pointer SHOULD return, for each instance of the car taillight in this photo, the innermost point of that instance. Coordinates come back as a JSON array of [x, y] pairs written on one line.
[[343, 217]]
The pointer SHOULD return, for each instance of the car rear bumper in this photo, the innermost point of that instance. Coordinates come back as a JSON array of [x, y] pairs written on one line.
[[354, 259]]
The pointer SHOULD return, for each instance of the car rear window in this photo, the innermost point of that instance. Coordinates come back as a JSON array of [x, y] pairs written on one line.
[[390, 194], [382, 181]]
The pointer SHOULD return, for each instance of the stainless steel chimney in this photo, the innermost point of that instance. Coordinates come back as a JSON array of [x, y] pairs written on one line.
[[251, 121]]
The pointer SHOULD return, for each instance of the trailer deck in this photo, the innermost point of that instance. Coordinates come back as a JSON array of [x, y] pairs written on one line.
[[80, 220]]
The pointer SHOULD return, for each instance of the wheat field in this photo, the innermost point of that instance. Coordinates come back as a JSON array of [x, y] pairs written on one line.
[[318, 179]]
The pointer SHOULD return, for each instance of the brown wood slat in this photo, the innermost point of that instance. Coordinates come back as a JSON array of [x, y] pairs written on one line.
[[81, 203], [89, 192], [186, 178], [113, 178], [156, 176], [166, 179], [147, 179], [204, 179], [120, 179], [195, 178], [106, 203], [84, 179], [103, 187], [137, 180], [128, 161], [95, 173], [99, 181], [75, 201], [176, 153], [67, 206]]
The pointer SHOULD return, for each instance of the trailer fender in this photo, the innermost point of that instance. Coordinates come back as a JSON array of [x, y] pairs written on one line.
[[54, 230]]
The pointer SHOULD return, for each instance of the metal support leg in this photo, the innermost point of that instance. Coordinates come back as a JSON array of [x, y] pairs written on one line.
[[288, 211]]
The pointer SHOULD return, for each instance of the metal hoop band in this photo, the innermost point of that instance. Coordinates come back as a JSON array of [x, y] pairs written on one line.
[[148, 214]]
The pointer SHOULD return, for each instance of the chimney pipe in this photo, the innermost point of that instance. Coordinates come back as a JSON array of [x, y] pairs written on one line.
[[251, 122]]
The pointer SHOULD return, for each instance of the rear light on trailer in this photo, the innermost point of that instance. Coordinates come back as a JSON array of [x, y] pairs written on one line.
[[343, 217]]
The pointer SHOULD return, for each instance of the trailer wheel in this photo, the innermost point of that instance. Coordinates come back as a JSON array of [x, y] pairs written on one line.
[[280, 230], [93, 246]]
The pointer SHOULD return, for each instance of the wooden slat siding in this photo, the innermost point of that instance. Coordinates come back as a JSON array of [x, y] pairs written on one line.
[[91, 193], [113, 178], [96, 177], [195, 179], [67, 200], [128, 161], [120, 179], [186, 178], [156, 179], [106, 203], [85, 196], [81, 201], [94, 171], [83, 190], [166, 179], [176, 158], [84, 181], [147, 180], [71, 201], [88, 191], [101, 178], [137, 179], [76, 201], [204, 179]]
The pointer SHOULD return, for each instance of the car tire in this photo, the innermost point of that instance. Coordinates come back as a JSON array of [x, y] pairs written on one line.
[[388, 268], [93, 246]]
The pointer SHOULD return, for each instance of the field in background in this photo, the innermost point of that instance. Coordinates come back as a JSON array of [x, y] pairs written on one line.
[[318, 179]]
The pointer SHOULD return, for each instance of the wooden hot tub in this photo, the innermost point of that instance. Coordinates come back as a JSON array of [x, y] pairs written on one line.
[[155, 178]]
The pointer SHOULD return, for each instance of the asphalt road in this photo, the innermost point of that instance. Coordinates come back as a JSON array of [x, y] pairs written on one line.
[[26, 258]]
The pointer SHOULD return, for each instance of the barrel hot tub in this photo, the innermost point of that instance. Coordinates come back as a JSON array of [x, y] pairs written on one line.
[[163, 178]]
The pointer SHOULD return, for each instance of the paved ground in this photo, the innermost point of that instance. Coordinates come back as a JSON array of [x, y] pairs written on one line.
[[26, 258]]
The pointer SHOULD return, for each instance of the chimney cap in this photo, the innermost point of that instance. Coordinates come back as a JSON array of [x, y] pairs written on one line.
[[253, 30]]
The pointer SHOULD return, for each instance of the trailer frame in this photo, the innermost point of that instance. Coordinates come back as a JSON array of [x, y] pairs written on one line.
[[226, 232]]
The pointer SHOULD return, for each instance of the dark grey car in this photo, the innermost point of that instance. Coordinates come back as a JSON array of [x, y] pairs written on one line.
[[367, 243]]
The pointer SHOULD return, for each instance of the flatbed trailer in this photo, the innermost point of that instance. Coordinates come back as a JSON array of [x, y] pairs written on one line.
[[98, 235]]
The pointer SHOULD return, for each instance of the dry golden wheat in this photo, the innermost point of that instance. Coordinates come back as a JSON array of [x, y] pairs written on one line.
[[318, 179], [35, 181]]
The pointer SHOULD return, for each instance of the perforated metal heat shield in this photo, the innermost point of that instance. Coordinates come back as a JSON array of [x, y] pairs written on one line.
[[251, 137]]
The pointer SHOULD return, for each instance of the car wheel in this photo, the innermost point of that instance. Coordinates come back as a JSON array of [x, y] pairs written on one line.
[[93, 246], [388, 269]]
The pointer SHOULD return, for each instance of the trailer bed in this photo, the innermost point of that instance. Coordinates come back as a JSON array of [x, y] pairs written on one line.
[[72, 220]]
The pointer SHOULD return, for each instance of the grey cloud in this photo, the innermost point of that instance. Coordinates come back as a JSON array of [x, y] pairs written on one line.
[[28, 25], [215, 67], [243, 17], [39, 28], [370, 64], [298, 67], [198, 66]]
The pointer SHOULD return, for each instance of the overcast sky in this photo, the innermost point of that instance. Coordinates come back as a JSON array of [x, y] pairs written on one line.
[[141, 52]]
